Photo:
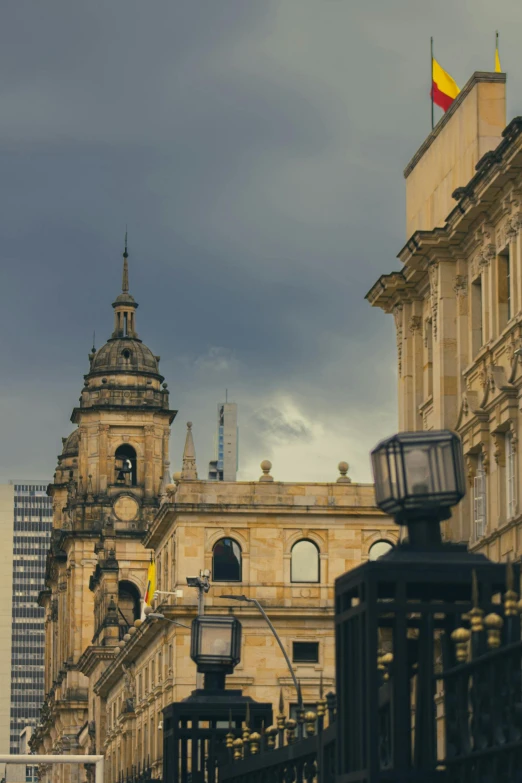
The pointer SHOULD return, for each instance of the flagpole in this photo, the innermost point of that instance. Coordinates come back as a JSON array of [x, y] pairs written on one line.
[[431, 82]]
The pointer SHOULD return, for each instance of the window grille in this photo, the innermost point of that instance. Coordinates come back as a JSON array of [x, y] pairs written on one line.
[[479, 500]]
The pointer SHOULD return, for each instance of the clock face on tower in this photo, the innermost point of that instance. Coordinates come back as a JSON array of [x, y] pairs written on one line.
[[126, 508]]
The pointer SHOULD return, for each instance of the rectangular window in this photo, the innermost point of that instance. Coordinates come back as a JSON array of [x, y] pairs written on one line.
[[479, 499], [476, 315], [510, 476], [305, 652], [504, 288]]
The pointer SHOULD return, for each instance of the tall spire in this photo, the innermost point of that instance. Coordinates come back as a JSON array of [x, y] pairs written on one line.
[[124, 305], [189, 470], [125, 281]]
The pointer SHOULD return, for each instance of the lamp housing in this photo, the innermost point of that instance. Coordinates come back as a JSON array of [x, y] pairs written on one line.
[[419, 475], [215, 644]]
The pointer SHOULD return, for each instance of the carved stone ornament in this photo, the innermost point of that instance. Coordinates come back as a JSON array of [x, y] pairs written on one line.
[[415, 323], [398, 315], [126, 508], [470, 472], [498, 448], [461, 285], [54, 610], [485, 458], [433, 270]]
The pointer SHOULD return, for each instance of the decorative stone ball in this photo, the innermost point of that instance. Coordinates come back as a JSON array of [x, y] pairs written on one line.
[[266, 466], [170, 489], [148, 610], [121, 644], [132, 630], [177, 477], [137, 623], [343, 468], [126, 638]]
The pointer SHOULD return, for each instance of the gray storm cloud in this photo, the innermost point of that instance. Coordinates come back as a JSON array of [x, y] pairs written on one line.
[[255, 151]]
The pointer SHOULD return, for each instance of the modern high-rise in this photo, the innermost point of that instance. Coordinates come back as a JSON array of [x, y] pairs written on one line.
[[224, 467], [25, 529]]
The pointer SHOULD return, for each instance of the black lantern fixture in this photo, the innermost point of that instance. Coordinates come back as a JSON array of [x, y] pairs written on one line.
[[419, 476], [215, 647], [396, 616]]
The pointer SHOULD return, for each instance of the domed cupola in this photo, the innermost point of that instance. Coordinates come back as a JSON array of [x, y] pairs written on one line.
[[123, 373]]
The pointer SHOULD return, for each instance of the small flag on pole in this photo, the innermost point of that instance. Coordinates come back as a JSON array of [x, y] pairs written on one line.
[[151, 583], [444, 88], [498, 69]]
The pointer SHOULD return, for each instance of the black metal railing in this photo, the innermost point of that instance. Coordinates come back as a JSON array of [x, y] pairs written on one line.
[[483, 696], [300, 750]]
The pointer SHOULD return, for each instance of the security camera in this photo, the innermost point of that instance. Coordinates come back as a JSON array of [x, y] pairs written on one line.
[[193, 581]]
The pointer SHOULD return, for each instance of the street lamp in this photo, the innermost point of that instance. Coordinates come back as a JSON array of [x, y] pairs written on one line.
[[215, 646], [419, 476], [280, 643], [395, 616]]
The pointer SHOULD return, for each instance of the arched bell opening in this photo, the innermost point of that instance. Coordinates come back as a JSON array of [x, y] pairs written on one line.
[[125, 464]]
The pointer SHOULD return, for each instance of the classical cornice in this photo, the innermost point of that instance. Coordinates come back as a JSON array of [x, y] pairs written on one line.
[[479, 77], [169, 513], [92, 656]]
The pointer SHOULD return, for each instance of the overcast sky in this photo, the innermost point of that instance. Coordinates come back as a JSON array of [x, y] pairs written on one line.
[[255, 148]]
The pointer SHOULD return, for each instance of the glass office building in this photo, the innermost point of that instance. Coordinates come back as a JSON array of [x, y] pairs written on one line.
[[32, 523]]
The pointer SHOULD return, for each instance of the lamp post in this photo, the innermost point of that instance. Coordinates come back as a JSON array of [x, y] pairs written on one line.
[[395, 617], [280, 643], [195, 729], [159, 616]]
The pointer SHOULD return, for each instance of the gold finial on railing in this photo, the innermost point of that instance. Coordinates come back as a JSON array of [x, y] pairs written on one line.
[[386, 661], [238, 749], [246, 729], [321, 704], [310, 719], [229, 739], [271, 734], [510, 596], [494, 623], [290, 726], [281, 718], [476, 614], [255, 740], [461, 637]]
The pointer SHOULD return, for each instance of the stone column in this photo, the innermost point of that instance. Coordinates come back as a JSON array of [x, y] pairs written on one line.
[[415, 332], [103, 463], [148, 463], [399, 321], [446, 347], [462, 324]]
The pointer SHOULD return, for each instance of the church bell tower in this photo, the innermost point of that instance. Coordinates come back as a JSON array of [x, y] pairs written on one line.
[[105, 493]]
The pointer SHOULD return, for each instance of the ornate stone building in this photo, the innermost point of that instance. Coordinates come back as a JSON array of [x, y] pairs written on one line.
[[108, 672], [457, 305]]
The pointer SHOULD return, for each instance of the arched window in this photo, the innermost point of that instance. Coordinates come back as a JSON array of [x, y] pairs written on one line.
[[129, 608], [305, 562], [126, 465], [378, 549], [226, 561]]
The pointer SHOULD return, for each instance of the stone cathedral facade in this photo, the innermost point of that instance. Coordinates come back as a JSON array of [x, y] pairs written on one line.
[[109, 669]]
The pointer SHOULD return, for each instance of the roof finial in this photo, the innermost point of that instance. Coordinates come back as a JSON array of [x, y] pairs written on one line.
[[189, 470], [94, 342], [125, 281]]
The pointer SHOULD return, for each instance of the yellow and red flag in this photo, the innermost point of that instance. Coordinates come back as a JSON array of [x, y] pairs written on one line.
[[444, 88], [151, 583]]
